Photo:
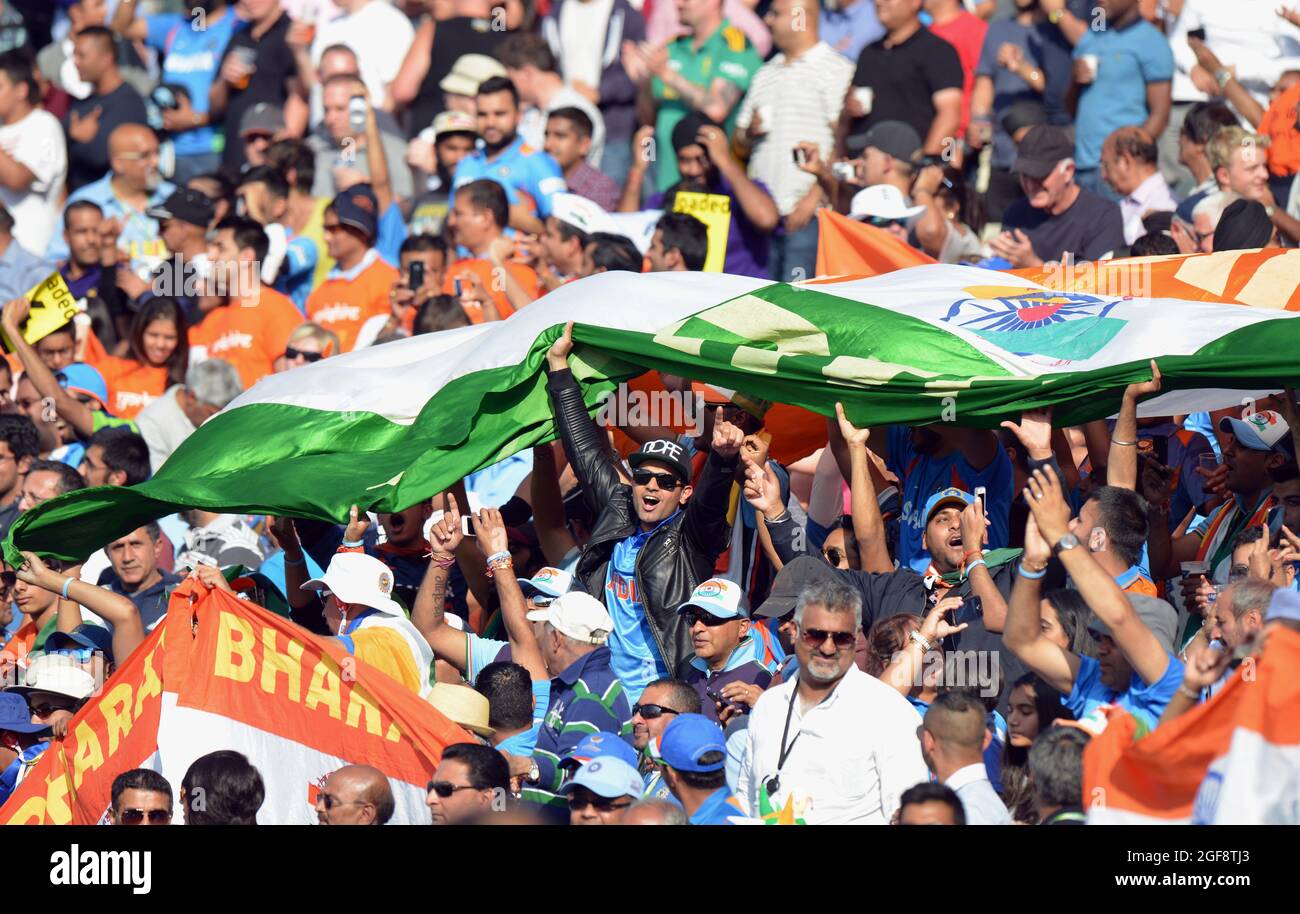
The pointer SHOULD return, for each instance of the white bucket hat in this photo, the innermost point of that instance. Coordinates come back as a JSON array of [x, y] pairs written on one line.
[[354, 577]]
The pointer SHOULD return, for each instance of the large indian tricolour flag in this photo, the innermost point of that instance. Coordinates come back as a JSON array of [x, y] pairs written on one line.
[[389, 426]]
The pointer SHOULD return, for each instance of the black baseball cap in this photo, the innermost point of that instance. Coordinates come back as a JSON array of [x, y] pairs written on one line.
[[1025, 113], [665, 451], [187, 206], [894, 138], [358, 208], [792, 581], [1042, 149]]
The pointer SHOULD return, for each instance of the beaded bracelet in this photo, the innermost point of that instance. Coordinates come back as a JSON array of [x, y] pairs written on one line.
[[444, 561], [497, 561]]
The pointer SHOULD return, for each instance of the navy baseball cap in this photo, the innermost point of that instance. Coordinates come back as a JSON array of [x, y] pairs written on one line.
[[94, 637], [688, 739], [358, 208], [16, 716], [598, 745], [185, 205]]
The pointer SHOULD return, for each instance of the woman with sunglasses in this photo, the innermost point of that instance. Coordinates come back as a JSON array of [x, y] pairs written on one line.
[[308, 344], [157, 358]]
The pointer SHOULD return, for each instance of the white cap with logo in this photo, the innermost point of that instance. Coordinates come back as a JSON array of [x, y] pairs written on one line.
[[57, 674], [580, 616], [580, 213], [354, 577]]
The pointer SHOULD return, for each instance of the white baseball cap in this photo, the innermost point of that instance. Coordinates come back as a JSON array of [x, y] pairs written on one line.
[[882, 201], [549, 582], [580, 213], [57, 674], [580, 616], [720, 598], [354, 577]]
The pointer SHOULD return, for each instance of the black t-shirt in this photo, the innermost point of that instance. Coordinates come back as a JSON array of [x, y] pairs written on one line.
[[269, 83], [88, 162], [1090, 228], [451, 39], [904, 79]]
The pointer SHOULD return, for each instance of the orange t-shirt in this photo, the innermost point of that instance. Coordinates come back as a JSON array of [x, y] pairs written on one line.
[[523, 274], [1278, 124], [250, 337], [344, 302], [132, 385]]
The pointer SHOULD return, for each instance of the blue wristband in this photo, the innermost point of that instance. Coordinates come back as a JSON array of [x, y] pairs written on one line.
[[977, 562], [349, 544], [67, 582], [1031, 575], [503, 554]]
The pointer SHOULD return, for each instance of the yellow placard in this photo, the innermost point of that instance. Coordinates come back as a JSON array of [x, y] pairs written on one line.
[[714, 210], [52, 307]]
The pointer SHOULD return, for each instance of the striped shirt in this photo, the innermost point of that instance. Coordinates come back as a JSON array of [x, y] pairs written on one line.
[[586, 698], [802, 99]]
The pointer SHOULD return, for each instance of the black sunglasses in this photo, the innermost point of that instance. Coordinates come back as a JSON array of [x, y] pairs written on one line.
[[45, 710], [290, 354], [136, 816], [698, 615], [602, 804], [666, 481], [833, 555], [445, 789], [650, 712], [816, 637]]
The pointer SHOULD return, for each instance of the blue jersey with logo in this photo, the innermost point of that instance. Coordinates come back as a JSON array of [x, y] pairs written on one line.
[[634, 656], [1145, 702], [191, 57], [528, 175], [921, 476]]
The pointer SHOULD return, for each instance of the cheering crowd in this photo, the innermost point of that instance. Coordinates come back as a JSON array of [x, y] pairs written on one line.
[[915, 625]]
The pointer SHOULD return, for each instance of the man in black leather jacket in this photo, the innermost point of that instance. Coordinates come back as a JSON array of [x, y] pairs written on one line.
[[654, 540]]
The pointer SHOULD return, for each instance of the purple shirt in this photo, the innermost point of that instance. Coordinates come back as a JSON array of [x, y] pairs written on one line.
[[746, 244], [596, 186]]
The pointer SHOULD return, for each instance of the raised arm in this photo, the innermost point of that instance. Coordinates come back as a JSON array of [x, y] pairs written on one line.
[[974, 536], [763, 492], [904, 671], [490, 534], [304, 606], [583, 444], [757, 204], [428, 611], [705, 523], [1122, 465], [415, 66], [868, 525], [72, 410], [1095, 585], [115, 609], [548, 506], [1023, 631], [126, 25]]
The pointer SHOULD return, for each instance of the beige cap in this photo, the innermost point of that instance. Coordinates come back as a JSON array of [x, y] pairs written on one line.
[[468, 72], [462, 705]]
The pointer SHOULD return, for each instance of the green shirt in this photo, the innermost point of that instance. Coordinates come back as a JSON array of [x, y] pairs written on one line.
[[726, 54], [100, 419]]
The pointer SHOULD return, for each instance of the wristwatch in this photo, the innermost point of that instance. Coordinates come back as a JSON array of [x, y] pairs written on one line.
[[1056, 16], [1223, 77], [1068, 541], [534, 773]]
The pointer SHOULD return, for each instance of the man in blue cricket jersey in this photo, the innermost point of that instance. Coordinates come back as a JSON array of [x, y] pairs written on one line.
[[530, 176]]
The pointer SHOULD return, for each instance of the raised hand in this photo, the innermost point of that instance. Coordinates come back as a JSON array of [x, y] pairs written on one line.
[[490, 531], [1034, 432], [974, 527], [211, 576], [762, 489], [726, 437], [445, 536], [853, 436], [1038, 552], [936, 626], [36, 572], [1143, 388], [286, 534], [1047, 502], [358, 524], [557, 356]]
